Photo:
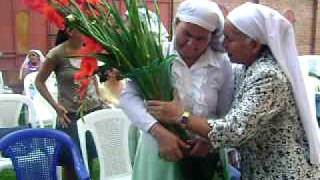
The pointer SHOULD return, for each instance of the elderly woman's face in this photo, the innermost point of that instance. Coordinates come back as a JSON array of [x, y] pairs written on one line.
[[191, 40], [34, 58], [113, 74], [237, 44]]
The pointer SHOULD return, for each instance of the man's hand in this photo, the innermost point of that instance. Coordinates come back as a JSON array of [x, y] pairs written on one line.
[[166, 112], [170, 146]]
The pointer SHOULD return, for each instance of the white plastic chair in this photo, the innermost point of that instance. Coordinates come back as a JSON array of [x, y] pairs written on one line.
[[109, 129], [10, 108], [5, 163], [1, 80], [46, 114], [3, 88]]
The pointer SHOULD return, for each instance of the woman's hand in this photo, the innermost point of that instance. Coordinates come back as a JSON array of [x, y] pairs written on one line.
[[62, 116], [171, 147], [200, 147], [166, 112]]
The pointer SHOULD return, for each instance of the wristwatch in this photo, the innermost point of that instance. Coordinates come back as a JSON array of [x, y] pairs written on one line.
[[185, 119]]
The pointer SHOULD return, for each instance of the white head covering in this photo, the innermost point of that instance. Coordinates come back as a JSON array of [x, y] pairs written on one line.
[[41, 57], [272, 29], [205, 14], [27, 59]]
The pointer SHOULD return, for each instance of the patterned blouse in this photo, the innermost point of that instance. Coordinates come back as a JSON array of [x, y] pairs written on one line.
[[263, 123]]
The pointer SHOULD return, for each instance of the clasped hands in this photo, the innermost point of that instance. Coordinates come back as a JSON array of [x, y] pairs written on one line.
[[171, 147]]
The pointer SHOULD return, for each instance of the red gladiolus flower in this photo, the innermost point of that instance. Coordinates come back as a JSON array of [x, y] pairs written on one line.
[[84, 83], [53, 16], [80, 75], [35, 4], [49, 12], [94, 2], [91, 46], [88, 67], [64, 2], [80, 1]]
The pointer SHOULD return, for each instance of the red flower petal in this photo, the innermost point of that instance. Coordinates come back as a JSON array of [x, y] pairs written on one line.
[[80, 75], [89, 65], [80, 1], [49, 12], [83, 88], [53, 16], [94, 2], [63, 2], [35, 4], [91, 46]]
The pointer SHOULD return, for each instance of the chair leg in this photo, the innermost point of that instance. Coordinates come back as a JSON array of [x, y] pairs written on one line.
[[69, 173], [5, 163], [59, 172]]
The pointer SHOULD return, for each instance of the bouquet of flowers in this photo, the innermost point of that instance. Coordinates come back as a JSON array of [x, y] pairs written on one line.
[[127, 45]]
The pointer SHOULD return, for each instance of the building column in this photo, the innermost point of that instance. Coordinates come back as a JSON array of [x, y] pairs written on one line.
[[314, 26]]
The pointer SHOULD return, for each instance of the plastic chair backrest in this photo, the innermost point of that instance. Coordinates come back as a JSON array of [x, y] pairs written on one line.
[[36, 152], [10, 108], [1, 80], [45, 112], [109, 129]]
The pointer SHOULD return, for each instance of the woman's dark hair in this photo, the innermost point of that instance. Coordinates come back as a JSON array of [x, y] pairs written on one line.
[[102, 72], [62, 36]]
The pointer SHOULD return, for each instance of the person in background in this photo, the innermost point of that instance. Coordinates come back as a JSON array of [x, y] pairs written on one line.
[[32, 63], [289, 14], [60, 61], [111, 86], [272, 120], [233, 166], [203, 79]]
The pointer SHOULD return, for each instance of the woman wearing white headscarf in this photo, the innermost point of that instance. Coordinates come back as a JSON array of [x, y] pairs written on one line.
[[31, 63], [272, 120], [203, 79]]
